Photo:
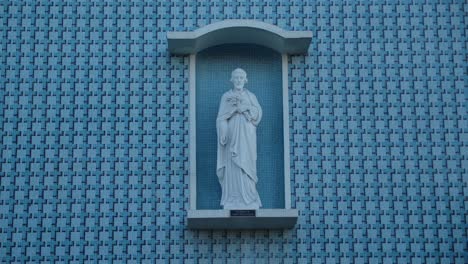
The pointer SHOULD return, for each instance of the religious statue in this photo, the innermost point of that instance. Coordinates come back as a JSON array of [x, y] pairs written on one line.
[[238, 117]]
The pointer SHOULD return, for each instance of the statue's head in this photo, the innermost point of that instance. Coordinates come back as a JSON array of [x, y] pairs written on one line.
[[238, 78]]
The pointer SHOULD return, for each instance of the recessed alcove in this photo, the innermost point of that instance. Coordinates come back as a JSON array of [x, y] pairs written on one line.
[[215, 50], [213, 70]]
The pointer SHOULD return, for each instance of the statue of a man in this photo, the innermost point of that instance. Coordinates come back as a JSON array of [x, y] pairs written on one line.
[[238, 117]]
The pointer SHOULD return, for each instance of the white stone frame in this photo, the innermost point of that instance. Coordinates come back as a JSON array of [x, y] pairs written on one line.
[[193, 135], [239, 31], [245, 32]]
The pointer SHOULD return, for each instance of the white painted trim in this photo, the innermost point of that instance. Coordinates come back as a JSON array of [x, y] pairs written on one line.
[[239, 31], [287, 169], [192, 134], [221, 219], [247, 23], [259, 213], [193, 137]]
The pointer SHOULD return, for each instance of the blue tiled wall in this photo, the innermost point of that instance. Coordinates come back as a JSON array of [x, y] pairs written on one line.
[[94, 133]]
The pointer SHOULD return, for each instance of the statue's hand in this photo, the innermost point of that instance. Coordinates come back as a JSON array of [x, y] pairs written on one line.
[[242, 108], [233, 101]]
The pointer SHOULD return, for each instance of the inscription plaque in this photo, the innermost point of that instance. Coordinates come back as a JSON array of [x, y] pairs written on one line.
[[237, 213]]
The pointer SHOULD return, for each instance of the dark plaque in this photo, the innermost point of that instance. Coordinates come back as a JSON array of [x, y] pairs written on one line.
[[235, 213]]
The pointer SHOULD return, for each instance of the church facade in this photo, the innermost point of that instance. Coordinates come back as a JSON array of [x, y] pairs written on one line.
[[95, 134]]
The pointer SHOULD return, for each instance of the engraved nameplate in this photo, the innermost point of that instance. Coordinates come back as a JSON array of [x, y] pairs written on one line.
[[235, 213]]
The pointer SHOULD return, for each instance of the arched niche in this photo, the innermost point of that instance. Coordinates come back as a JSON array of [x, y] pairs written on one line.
[[262, 50], [239, 31]]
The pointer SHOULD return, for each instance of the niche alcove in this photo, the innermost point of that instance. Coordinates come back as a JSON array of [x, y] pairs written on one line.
[[262, 50]]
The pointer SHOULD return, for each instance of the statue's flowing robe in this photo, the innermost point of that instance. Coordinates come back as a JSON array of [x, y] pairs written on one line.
[[237, 151]]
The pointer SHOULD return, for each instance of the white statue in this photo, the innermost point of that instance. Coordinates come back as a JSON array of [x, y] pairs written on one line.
[[238, 117]]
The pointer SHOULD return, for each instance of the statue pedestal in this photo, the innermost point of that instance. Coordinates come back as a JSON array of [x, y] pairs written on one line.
[[233, 219]]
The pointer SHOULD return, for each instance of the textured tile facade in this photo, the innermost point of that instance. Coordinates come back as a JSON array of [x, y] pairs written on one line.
[[94, 133]]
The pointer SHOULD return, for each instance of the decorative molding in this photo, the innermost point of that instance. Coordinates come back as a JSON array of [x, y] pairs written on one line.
[[286, 149], [263, 219], [192, 134], [239, 31]]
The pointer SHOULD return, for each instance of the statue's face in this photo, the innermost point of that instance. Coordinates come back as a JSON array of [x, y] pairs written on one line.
[[239, 80]]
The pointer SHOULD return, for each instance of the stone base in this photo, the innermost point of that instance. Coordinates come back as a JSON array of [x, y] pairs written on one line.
[[222, 219]]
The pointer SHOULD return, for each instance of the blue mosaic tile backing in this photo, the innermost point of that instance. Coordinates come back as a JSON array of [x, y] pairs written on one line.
[[94, 133]]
